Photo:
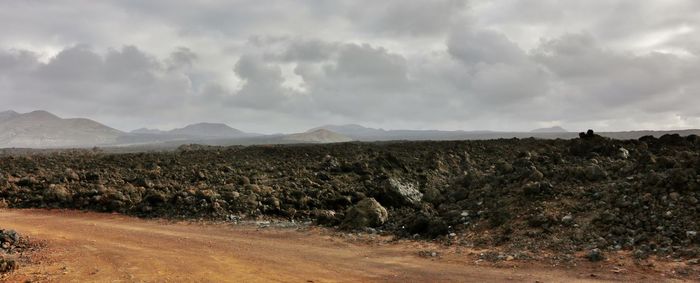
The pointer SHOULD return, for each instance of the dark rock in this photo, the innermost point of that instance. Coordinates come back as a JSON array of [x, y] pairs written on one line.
[[533, 189], [7, 265], [587, 135], [326, 217], [595, 173], [503, 167], [28, 181], [423, 224], [595, 255]]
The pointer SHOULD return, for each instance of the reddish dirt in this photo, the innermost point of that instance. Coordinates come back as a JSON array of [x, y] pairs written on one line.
[[89, 247]]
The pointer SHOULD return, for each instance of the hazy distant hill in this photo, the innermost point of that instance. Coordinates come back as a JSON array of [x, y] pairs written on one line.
[[43, 129], [213, 130], [202, 130], [7, 115], [555, 129], [204, 133], [318, 136], [353, 130], [147, 131], [360, 133], [638, 134]]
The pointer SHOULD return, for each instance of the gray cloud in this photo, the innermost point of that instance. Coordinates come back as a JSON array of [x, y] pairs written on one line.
[[418, 18], [607, 79], [483, 46], [79, 80], [262, 88], [291, 65]]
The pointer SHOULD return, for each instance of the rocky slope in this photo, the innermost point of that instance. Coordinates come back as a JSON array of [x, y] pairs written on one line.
[[590, 196]]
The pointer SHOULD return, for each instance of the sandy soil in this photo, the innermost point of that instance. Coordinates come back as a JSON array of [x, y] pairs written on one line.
[[93, 247]]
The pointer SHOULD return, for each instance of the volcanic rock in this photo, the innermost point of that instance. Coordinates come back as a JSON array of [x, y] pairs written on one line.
[[366, 213], [397, 193]]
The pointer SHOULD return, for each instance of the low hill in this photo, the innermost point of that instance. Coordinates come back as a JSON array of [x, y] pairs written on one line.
[[43, 129], [147, 131], [317, 136], [208, 130], [5, 115]]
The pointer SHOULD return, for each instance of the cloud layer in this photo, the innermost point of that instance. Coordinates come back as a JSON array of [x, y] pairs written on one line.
[[291, 65]]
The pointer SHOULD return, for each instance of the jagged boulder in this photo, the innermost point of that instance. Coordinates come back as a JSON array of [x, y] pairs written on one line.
[[397, 193], [57, 193], [366, 213], [8, 240]]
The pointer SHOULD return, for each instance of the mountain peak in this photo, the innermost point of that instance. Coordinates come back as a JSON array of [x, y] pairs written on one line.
[[41, 114], [211, 126]]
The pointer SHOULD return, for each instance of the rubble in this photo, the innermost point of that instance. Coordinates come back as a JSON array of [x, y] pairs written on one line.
[[12, 245], [521, 195]]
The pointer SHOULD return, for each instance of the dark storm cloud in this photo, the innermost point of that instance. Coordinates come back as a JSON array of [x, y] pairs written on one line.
[[289, 65]]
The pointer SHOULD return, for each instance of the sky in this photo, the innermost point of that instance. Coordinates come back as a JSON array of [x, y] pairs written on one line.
[[280, 66]]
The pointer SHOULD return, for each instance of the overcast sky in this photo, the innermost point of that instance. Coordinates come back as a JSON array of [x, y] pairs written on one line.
[[286, 66]]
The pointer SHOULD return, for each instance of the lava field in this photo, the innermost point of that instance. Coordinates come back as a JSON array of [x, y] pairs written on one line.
[[590, 195]]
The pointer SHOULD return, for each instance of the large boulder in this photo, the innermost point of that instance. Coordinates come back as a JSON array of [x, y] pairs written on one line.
[[8, 239], [57, 193], [397, 193], [366, 213]]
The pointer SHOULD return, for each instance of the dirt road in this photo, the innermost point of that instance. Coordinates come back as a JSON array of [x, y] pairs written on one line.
[[112, 248]]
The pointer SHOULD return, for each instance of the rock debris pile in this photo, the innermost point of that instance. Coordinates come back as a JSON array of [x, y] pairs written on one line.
[[590, 195], [11, 245]]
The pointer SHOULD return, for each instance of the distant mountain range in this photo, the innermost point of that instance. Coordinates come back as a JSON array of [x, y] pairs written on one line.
[[360, 133], [212, 130], [41, 129]]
